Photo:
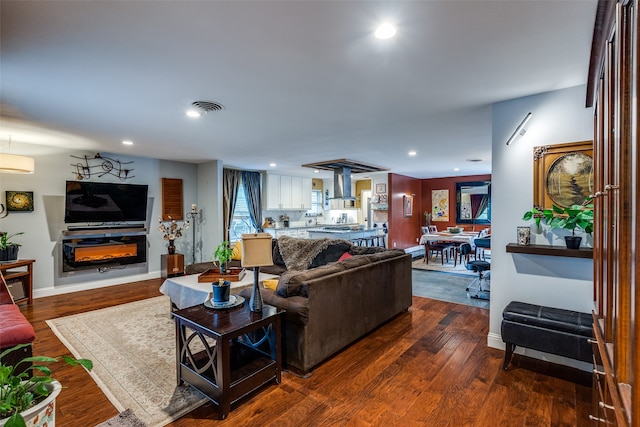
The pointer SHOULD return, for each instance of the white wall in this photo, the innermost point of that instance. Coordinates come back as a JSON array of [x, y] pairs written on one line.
[[558, 117], [44, 225]]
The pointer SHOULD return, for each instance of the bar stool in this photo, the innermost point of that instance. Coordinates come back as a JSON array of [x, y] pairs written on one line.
[[369, 240]]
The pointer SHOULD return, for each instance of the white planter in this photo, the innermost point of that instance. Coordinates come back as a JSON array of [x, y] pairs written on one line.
[[44, 413]]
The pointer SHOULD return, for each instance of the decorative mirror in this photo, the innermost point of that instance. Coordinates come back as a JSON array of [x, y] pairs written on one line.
[[473, 202]]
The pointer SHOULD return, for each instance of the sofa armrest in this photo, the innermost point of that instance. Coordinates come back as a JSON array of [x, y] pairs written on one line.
[[297, 307]]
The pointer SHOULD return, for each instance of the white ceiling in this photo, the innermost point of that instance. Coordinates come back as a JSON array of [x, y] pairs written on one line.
[[301, 81]]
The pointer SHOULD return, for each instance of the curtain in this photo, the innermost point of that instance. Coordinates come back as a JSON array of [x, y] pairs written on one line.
[[251, 182], [479, 203], [230, 183]]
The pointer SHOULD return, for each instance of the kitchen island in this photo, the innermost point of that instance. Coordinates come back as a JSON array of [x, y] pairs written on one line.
[[343, 232]]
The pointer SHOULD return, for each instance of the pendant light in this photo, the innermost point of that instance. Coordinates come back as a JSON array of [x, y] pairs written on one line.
[[13, 163]]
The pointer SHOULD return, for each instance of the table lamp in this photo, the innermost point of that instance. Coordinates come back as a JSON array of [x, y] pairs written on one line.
[[256, 252]]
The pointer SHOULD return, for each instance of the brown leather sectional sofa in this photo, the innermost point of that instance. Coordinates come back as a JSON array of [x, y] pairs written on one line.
[[330, 306]]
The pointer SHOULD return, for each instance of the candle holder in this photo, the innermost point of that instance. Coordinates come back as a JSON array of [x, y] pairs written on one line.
[[193, 215]]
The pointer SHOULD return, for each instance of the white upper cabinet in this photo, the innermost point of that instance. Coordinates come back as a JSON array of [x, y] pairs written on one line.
[[284, 192]]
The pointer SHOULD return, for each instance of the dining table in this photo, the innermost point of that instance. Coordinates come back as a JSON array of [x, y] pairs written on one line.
[[445, 236]]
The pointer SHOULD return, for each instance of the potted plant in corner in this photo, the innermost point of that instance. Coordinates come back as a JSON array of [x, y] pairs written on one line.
[[575, 216], [222, 254], [9, 249], [23, 398]]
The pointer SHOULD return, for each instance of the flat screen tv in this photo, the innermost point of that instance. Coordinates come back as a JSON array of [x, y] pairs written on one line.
[[104, 202]]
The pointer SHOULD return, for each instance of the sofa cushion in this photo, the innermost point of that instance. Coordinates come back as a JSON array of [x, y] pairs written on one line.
[[237, 251], [300, 254], [331, 253], [276, 255], [15, 328], [344, 256]]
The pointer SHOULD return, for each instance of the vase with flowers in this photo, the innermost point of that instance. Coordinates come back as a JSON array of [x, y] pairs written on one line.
[[172, 230]]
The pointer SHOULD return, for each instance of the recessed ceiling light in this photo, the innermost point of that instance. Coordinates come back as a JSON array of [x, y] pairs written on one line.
[[273, 165], [193, 113], [412, 153], [456, 169], [127, 142], [385, 31], [316, 171]]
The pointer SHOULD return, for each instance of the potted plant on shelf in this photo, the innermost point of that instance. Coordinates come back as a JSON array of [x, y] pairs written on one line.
[[575, 216], [9, 249], [222, 254], [23, 398]]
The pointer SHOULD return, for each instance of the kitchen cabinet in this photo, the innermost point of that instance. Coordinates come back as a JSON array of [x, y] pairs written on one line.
[[285, 192]]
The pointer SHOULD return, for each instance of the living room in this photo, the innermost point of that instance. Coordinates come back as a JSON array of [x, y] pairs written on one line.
[[559, 116]]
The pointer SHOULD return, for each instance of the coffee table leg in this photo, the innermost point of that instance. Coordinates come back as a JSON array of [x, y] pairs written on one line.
[[179, 345], [224, 374]]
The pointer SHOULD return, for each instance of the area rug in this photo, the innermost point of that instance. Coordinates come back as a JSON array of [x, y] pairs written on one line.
[[123, 419], [132, 347], [436, 265], [449, 287]]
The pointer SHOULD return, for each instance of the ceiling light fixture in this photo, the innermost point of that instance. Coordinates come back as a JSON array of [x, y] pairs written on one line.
[[412, 153], [273, 165], [127, 142], [520, 130], [12, 163], [193, 113], [385, 31]]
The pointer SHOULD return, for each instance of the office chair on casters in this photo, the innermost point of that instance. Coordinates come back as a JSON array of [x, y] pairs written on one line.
[[479, 287]]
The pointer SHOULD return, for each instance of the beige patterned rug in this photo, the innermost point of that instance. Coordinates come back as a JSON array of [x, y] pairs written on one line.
[[436, 265], [132, 347]]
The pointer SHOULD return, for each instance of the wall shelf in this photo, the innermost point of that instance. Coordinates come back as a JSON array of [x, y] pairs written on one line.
[[550, 250]]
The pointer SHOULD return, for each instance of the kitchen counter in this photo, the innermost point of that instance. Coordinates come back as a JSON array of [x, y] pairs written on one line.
[[320, 233]]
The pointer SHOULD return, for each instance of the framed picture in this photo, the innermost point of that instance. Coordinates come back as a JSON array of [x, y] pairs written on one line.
[[440, 205], [562, 174], [407, 206], [19, 201], [381, 188]]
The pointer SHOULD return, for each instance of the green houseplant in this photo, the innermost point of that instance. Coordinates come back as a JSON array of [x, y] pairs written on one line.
[[222, 254], [571, 218], [8, 248], [20, 394]]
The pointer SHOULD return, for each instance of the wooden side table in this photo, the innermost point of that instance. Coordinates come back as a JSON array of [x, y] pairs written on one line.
[[171, 265], [246, 354], [19, 274]]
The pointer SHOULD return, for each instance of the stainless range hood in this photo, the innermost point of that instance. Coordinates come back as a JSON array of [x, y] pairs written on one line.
[[342, 170], [342, 184]]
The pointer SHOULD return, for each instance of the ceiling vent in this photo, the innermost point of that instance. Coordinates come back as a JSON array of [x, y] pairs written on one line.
[[207, 106]]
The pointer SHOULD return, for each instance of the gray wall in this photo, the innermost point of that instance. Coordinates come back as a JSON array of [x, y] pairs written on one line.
[[558, 117], [43, 226]]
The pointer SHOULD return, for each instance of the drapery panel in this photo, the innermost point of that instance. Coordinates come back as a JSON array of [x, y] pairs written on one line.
[[252, 192], [230, 183], [479, 203]]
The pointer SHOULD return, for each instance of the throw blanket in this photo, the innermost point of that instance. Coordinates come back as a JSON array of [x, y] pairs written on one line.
[[298, 254]]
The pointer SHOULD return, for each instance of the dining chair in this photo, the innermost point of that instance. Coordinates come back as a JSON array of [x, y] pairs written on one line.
[[441, 248]]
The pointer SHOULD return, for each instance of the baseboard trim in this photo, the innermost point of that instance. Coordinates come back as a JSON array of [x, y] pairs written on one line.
[[93, 284]]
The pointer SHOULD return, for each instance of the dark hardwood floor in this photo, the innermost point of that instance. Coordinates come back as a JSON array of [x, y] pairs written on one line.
[[428, 367]]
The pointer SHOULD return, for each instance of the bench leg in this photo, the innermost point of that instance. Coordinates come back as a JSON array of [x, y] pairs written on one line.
[[508, 354]]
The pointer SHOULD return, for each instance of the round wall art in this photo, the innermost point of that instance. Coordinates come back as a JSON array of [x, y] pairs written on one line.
[[570, 179]]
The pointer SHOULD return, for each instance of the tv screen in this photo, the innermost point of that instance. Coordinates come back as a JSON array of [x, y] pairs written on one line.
[[104, 202]]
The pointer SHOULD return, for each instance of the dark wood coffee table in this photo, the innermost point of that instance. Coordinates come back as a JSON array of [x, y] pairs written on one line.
[[227, 354]]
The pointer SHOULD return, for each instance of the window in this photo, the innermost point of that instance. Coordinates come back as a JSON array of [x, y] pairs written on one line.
[[316, 203], [241, 222]]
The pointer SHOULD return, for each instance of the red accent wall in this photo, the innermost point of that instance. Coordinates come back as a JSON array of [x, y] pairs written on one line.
[[403, 231], [448, 183]]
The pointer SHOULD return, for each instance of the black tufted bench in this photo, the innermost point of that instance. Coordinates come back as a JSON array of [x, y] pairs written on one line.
[[551, 330]]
